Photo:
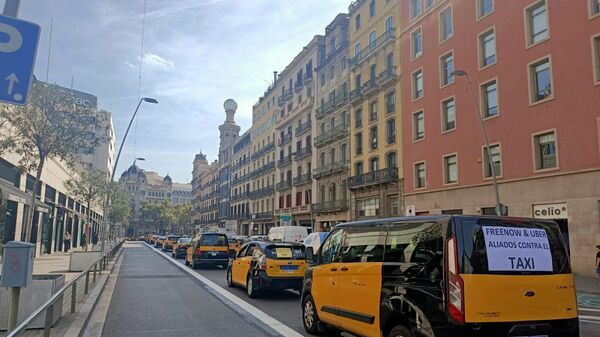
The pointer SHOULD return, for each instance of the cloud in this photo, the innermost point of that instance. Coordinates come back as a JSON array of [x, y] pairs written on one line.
[[152, 59], [129, 64]]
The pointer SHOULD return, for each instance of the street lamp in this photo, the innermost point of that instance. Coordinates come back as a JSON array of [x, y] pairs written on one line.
[[140, 159], [500, 209], [112, 176]]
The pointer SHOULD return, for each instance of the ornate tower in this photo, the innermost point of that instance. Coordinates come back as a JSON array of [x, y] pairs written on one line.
[[229, 132]]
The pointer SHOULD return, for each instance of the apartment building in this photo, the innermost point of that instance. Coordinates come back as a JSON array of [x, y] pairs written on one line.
[[331, 157], [376, 166], [533, 78], [207, 204], [296, 102], [240, 210]]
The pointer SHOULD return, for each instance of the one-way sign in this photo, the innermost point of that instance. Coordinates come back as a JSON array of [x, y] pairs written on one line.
[[18, 47]]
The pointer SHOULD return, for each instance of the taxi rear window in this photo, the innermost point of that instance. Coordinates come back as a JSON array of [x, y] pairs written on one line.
[[173, 238], [185, 240], [214, 240], [285, 252], [505, 246]]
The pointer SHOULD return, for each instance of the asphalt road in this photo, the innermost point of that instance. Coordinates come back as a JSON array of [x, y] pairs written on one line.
[[186, 304]]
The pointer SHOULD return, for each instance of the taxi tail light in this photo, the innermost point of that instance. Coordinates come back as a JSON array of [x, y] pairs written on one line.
[[262, 263], [456, 287]]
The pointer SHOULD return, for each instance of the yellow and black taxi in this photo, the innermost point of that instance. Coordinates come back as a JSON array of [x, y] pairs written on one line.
[[208, 249], [263, 265], [180, 247], [151, 239], [234, 244], [158, 242], [170, 240], [442, 276]]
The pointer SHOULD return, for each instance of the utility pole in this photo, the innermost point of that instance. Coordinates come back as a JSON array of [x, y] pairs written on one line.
[[11, 8]]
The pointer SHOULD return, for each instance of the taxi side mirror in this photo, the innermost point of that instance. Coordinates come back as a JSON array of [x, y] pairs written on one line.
[[310, 255]]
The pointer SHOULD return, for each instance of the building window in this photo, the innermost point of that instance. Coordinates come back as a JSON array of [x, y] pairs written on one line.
[[450, 169], [541, 80], [415, 8], [373, 111], [357, 52], [420, 175], [489, 99], [358, 168], [372, 40], [374, 164], [487, 48], [390, 102], [358, 118], [298, 198], [417, 79], [596, 54], [595, 7], [446, 24], [448, 115], [344, 154], [537, 22], [417, 43], [357, 21], [419, 125], [389, 26], [447, 66], [484, 7], [373, 137], [391, 160], [368, 207], [545, 151], [358, 142], [288, 200], [496, 161], [429, 3], [372, 8], [391, 131]]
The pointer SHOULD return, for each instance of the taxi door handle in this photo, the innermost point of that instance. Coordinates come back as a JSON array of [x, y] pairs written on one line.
[[333, 269], [344, 269]]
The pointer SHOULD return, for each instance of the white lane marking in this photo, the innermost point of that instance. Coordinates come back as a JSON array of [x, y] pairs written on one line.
[[589, 309], [587, 321], [591, 318], [274, 324]]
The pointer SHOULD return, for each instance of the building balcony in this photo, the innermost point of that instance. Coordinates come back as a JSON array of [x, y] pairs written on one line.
[[262, 192], [240, 196], [241, 216], [265, 149], [331, 206], [298, 85], [303, 127], [356, 95], [387, 76], [303, 179], [303, 152], [262, 216], [284, 185], [385, 176], [285, 161], [308, 77], [288, 94], [330, 169], [339, 132], [373, 47], [286, 138], [281, 101], [371, 86]]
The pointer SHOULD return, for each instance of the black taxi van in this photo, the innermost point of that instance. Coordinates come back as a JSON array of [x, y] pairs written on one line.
[[442, 276], [208, 249]]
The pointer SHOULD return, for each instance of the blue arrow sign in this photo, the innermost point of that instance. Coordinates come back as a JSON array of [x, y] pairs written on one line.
[[18, 47]]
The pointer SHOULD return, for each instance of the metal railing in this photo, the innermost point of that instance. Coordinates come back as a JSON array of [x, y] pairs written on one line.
[[48, 306]]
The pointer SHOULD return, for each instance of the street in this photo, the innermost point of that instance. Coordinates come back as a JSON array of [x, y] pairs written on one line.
[[156, 295]]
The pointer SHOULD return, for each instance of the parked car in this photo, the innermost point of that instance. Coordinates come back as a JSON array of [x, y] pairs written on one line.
[[180, 248], [208, 249], [314, 240], [263, 265], [152, 239], [170, 240], [158, 242], [288, 234], [442, 276]]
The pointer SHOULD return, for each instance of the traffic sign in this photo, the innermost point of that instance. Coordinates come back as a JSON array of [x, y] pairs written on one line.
[[18, 46]]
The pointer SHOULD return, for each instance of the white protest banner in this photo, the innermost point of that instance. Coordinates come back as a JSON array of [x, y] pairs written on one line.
[[517, 249]]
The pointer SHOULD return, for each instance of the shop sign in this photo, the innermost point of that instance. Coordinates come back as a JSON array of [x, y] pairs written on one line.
[[551, 211]]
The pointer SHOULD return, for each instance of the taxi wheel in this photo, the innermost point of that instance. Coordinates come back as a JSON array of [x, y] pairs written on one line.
[[230, 279], [310, 319], [400, 331], [251, 288]]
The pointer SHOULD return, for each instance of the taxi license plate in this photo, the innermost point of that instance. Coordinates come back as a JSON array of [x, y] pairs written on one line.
[[213, 254], [289, 269]]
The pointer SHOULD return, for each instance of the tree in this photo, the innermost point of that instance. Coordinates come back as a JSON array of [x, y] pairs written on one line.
[[90, 186], [183, 214], [49, 126], [119, 210]]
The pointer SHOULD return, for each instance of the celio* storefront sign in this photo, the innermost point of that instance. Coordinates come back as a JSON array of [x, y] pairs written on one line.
[[551, 211]]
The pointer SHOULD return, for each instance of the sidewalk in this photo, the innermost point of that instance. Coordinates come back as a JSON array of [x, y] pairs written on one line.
[[587, 285]]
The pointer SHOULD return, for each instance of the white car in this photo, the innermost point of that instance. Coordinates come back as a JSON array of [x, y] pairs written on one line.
[[288, 234], [315, 239]]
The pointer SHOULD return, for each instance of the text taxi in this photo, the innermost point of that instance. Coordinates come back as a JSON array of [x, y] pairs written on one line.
[[444, 276], [262, 265]]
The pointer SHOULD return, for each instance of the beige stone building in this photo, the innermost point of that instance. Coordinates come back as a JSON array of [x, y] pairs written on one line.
[[206, 202]]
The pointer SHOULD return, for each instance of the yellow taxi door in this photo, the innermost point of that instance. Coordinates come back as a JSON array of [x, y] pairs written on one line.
[[242, 264], [359, 292], [325, 283]]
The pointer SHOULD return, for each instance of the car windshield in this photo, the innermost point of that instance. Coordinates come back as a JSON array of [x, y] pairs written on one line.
[[285, 252], [185, 240], [173, 238], [214, 240]]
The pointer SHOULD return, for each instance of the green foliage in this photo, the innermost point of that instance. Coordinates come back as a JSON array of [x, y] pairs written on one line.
[[165, 213], [90, 186], [119, 210]]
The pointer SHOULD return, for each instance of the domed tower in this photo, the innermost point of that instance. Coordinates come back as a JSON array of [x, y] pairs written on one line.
[[168, 181], [229, 132], [200, 166]]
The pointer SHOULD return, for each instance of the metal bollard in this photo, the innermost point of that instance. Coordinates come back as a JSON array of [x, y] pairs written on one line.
[[95, 271], [73, 297], [87, 282], [49, 319]]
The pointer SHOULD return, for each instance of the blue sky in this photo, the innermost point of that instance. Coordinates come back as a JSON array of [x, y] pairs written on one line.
[[197, 53]]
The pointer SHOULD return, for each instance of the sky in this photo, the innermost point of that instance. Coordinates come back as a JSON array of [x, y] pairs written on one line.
[[196, 54]]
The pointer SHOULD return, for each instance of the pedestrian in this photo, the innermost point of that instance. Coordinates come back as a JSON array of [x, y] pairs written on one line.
[[598, 263], [94, 237], [84, 241], [67, 239]]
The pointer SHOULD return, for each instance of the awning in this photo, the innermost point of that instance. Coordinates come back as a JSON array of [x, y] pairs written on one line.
[[10, 192]]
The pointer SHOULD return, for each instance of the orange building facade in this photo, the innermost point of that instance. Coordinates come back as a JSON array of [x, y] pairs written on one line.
[[534, 70]]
